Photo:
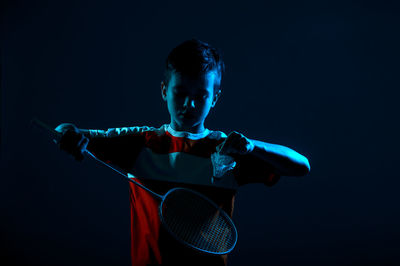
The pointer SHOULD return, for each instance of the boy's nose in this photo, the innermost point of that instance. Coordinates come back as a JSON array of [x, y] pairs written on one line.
[[189, 102]]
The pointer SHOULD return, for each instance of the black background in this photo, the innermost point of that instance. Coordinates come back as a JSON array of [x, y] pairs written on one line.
[[320, 77]]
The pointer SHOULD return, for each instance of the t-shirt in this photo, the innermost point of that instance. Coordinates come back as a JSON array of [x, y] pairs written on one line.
[[161, 159]]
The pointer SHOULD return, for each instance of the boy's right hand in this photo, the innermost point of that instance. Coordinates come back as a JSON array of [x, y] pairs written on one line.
[[72, 140]]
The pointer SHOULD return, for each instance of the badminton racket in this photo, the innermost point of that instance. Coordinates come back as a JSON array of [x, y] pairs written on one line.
[[189, 216]]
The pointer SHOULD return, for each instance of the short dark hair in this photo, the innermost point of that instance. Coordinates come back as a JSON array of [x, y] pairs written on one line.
[[194, 57]]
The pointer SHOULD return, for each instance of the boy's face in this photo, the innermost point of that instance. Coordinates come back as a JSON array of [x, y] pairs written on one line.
[[189, 100]]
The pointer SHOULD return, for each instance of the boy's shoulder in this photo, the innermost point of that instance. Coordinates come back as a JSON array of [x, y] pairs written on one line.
[[119, 131]]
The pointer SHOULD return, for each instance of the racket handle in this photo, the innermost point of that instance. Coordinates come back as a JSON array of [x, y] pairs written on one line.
[[40, 124]]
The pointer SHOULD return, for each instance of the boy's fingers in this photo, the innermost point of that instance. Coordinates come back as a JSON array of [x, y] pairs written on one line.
[[83, 142], [235, 143], [74, 143], [223, 147], [81, 147]]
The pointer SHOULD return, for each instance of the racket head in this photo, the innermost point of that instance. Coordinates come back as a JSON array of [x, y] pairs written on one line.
[[197, 222]]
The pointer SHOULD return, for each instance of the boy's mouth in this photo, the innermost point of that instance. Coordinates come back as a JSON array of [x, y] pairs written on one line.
[[187, 115]]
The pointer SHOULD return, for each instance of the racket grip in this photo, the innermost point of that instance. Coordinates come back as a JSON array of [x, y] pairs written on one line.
[[45, 127]]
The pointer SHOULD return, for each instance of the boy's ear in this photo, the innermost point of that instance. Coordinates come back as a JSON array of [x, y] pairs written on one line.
[[163, 91], [216, 97]]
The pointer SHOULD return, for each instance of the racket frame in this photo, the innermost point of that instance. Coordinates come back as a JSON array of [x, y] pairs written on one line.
[[222, 212]]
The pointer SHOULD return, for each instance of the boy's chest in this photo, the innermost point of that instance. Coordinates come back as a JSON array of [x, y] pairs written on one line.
[[179, 167]]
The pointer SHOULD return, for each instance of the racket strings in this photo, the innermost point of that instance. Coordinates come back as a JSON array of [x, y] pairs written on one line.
[[199, 223]]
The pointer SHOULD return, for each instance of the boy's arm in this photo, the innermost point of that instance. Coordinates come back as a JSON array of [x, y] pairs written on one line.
[[285, 161], [75, 140], [115, 146]]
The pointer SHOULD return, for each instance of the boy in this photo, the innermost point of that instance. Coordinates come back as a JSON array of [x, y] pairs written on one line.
[[183, 153]]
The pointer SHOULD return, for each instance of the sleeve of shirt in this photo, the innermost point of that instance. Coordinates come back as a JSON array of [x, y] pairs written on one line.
[[117, 146], [250, 169]]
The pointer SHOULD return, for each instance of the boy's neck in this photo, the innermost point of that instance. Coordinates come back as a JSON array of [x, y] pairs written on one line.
[[195, 129]]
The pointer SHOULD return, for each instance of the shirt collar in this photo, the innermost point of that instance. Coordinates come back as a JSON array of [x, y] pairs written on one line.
[[185, 134]]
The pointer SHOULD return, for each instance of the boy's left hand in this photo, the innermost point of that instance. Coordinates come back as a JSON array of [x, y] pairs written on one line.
[[236, 143]]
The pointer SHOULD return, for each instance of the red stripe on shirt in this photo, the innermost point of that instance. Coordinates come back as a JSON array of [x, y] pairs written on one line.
[[167, 143]]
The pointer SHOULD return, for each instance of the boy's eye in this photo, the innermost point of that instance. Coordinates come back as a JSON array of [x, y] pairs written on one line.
[[199, 97], [179, 94], [202, 97]]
